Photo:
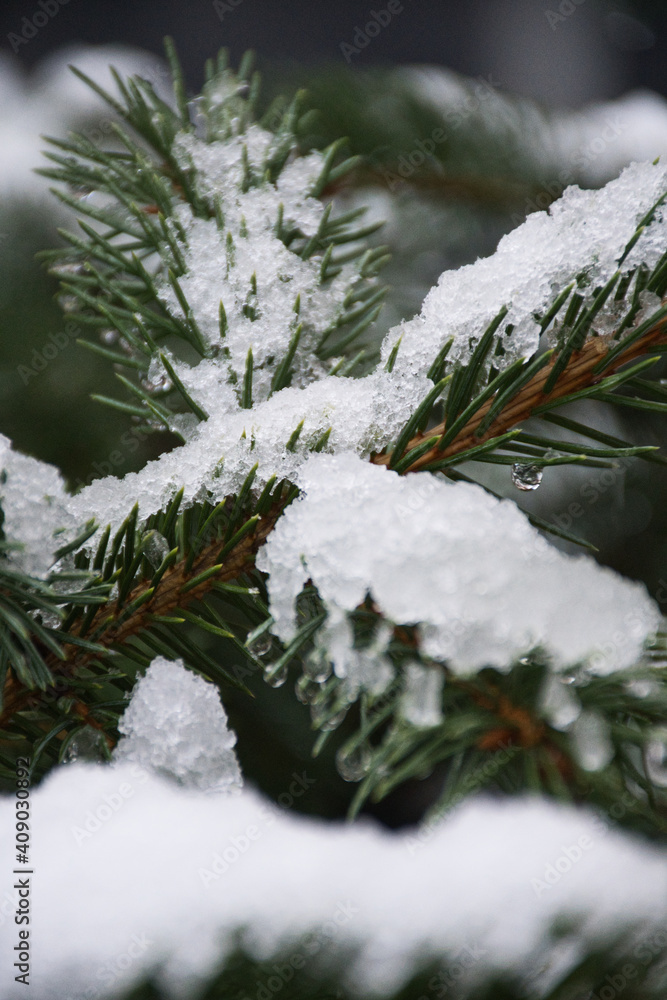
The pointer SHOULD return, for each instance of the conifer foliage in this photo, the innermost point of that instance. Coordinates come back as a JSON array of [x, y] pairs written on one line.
[[322, 517]]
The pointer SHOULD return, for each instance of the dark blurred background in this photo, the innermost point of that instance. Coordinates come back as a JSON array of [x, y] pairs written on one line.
[[560, 53]]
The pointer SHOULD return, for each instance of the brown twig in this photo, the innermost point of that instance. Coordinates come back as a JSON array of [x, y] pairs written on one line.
[[170, 594], [578, 375]]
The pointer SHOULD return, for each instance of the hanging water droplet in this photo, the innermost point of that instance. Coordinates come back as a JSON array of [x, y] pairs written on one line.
[[641, 688], [68, 303], [317, 666], [526, 477], [306, 690], [80, 191], [161, 384], [655, 758], [67, 268], [157, 548], [332, 722], [261, 646], [558, 703], [353, 764], [591, 741], [109, 337], [421, 701], [275, 678]]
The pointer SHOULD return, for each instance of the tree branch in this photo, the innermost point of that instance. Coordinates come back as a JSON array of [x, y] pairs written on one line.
[[579, 374]]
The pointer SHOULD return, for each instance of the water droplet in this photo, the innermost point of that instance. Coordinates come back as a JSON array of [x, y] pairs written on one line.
[[81, 191], [526, 477], [317, 666], [558, 703], [88, 744], [421, 702], [591, 741], [68, 303], [333, 721], [353, 764], [655, 758], [157, 548], [109, 337], [639, 688], [162, 384], [67, 268], [275, 678], [307, 690], [261, 646]]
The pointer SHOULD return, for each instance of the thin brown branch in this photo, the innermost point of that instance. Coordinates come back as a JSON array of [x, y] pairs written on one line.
[[578, 375], [169, 595]]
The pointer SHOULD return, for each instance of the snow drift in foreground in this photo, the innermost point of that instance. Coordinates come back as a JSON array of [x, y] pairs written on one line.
[[134, 874]]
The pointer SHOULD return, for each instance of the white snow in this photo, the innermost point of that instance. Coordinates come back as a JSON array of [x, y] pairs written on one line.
[[218, 173], [362, 414], [175, 725], [531, 266], [266, 289], [134, 874], [216, 275], [584, 232], [591, 741], [482, 584], [35, 508]]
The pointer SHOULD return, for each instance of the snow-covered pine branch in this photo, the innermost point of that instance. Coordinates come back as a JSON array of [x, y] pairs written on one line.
[[234, 307], [430, 615]]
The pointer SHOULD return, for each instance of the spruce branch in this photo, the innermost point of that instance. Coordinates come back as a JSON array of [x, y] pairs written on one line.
[[581, 377], [133, 269], [185, 582]]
